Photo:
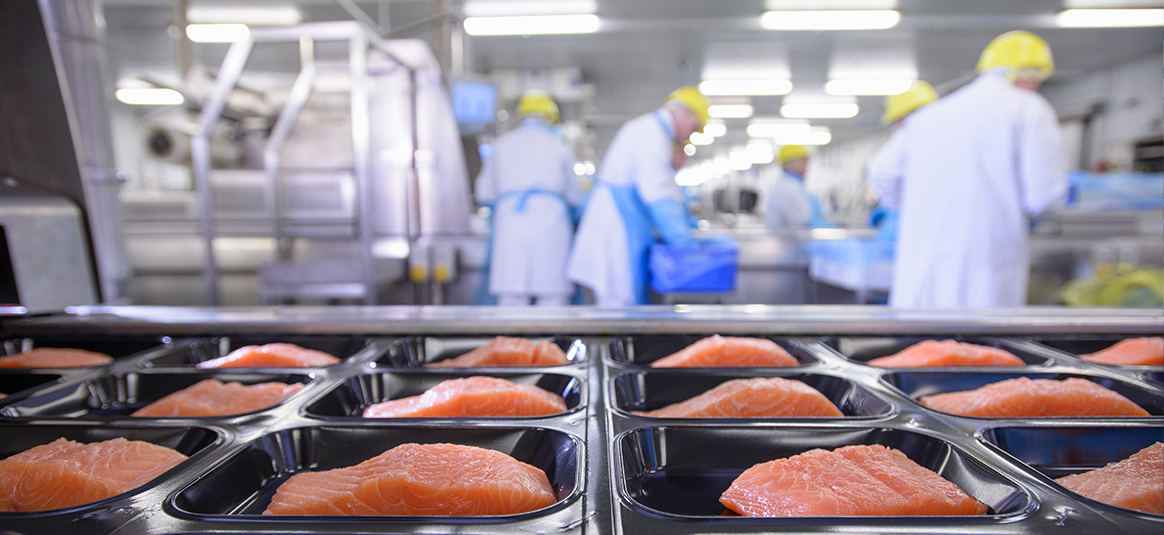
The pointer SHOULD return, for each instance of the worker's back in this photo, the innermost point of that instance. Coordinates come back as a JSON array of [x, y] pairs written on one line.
[[533, 156]]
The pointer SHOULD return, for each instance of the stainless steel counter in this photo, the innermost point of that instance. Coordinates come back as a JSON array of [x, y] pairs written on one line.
[[745, 319]]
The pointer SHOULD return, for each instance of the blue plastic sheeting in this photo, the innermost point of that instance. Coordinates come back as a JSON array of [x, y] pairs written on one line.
[[707, 267], [1116, 191]]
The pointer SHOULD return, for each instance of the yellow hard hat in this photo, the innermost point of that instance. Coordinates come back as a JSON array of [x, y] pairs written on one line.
[[1018, 50], [538, 102], [693, 99], [898, 106], [791, 152]]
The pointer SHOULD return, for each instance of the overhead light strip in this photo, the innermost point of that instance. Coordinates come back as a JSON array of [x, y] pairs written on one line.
[[871, 19], [496, 8], [217, 33], [1109, 18], [532, 25], [867, 87], [745, 87], [270, 15], [729, 111], [819, 135], [149, 96], [819, 110]]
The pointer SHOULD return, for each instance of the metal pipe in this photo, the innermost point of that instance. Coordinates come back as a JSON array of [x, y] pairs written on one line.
[[296, 100], [361, 147], [182, 52]]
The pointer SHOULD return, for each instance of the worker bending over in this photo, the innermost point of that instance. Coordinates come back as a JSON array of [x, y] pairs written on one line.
[[971, 170], [789, 203], [531, 183], [635, 198]]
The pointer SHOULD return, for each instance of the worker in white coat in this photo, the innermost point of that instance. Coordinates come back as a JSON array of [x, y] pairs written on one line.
[[789, 204], [897, 110], [530, 181], [971, 171], [636, 197]]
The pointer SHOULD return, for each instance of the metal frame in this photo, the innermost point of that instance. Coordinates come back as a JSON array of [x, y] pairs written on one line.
[[359, 39]]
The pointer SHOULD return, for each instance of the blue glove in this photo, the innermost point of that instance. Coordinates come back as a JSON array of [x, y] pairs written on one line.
[[889, 223], [670, 218]]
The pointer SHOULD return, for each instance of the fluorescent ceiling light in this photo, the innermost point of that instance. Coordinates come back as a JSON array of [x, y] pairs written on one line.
[[745, 87], [692, 176], [730, 111], [689, 149], [777, 5], [698, 138], [1109, 18], [273, 15], [217, 33], [740, 160], [819, 110], [533, 25], [721, 166], [1084, 4], [149, 96], [495, 8], [778, 129], [818, 135], [760, 153], [830, 20], [867, 87], [715, 129]]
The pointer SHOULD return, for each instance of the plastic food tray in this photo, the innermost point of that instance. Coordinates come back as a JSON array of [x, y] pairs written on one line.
[[612, 471]]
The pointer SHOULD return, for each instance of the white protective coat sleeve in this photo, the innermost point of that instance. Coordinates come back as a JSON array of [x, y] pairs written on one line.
[[1041, 162], [885, 171], [788, 205]]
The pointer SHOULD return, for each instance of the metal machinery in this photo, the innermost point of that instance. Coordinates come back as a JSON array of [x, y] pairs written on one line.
[[613, 472], [361, 171]]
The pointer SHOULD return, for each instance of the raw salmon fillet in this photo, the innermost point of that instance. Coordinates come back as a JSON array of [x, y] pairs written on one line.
[[1133, 483], [1023, 397], [934, 353], [472, 396], [64, 473], [850, 481], [718, 351], [419, 479], [52, 357], [272, 356], [1147, 351], [503, 351], [212, 397], [761, 397]]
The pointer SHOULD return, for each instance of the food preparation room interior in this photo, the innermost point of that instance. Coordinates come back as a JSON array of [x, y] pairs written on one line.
[[301, 215]]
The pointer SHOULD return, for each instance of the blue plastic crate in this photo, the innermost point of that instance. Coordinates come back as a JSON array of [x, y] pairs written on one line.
[[708, 267]]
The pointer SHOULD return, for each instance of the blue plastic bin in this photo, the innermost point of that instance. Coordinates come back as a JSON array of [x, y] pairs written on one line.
[[707, 267]]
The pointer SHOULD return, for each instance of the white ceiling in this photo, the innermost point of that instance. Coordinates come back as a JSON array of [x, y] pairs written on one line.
[[646, 48]]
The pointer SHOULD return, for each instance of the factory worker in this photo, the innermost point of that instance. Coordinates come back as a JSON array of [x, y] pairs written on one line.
[[634, 198], [971, 169], [897, 110], [789, 203], [531, 183]]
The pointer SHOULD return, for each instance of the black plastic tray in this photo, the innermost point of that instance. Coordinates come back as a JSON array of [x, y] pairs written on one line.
[[865, 348], [644, 349], [641, 391], [1083, 345], [117, 395], [350, 398], [420, 350], [193, 352], [244, 483], [18, 385]]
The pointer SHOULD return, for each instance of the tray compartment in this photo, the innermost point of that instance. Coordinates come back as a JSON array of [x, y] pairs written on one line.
[[419, 350], [924, 383], [188, 441], [350, 398], [244, 484], [20, 385], [1064, 450], [119, 395], [1084, 345], [865, 348], [649, 390], [117, 347], [642, 350], [679, 473], [201, 350]]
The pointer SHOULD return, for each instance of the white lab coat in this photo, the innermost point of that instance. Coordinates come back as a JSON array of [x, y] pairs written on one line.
[[968, 173], [788, 204], [530, 246], [640, 154]]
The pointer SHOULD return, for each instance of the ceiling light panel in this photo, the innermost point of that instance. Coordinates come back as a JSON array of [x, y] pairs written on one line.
[[217, 33], [830, 20], [745, 87], [269, 15], [819, 110], [866, 87], [701, 138], [730, 111], [149, 96], [715, 129], [778, 5], [532, 25], [495, 8], [1109, 18], [818, 135], [774, 129], [1099, 4]]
